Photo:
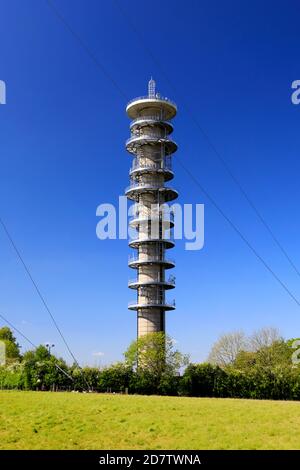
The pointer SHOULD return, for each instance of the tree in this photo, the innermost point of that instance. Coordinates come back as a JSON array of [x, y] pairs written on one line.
[[245, 360], [12, 348], [276, 355], [155, 354], [155, 363], [41, 372], [264, 338], [264, 346], [226, 349]]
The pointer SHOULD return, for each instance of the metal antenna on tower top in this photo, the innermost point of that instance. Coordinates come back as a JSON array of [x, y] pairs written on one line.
[[151, 88]]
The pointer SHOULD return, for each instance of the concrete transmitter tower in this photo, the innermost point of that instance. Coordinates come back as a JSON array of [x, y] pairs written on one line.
[[151, 147]]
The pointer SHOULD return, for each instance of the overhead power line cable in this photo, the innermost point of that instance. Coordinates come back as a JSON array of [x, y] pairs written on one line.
[[83, 45], [17, 330], [211, 199], [237, 230], [208, 140], [18, 253], [32, 344]]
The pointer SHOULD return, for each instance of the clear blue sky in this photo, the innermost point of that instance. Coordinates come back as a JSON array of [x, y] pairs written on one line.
[[62, 154]]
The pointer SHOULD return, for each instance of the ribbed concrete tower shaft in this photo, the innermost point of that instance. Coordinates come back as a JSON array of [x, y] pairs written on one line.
[[151, 147]]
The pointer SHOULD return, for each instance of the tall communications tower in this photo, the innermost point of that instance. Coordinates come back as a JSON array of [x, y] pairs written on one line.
[[152, 148]]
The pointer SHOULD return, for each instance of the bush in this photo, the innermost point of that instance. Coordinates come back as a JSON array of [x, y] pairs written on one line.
[[199, 380], [12, 377], [115, 378]]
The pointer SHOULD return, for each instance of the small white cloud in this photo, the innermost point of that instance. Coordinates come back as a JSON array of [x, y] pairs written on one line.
[[98, 354]]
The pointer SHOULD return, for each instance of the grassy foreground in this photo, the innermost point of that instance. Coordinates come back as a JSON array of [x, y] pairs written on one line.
[[44, 420]]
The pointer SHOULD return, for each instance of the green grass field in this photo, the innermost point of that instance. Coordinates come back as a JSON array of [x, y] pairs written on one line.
[[43, 420]]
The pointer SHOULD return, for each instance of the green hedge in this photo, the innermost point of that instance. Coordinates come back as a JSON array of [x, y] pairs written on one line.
[[198, 380], [260, 383]]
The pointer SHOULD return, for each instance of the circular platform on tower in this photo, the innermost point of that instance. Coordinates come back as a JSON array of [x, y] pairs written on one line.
[[137, 106]]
